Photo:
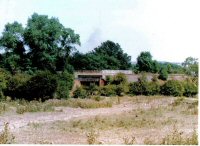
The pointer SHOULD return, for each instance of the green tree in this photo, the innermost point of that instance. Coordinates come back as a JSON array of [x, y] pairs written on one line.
[[191, 66], [49, 41], [108, 55], [12, 45], [113, 53], [163, 75], [145, 62]]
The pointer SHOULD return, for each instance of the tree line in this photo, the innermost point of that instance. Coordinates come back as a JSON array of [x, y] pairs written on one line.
[[45, 51]]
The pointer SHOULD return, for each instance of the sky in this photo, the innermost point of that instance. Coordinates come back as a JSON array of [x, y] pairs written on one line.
[[169, 29]]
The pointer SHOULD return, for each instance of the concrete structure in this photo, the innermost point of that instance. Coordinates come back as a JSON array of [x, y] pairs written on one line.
[[86, 77]]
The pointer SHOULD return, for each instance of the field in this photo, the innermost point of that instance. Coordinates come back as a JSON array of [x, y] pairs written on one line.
[[102, 120]]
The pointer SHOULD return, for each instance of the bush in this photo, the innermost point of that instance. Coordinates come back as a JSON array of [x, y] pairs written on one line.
[[108, 90], [92, 90], [41, 86], [15, 84], [80, 93], [109, 79], [65, 83], [190, 89], [139, 87], [163, 74], [172, 87], [153, 88], [4, 75], [119, 78], [121, 89]]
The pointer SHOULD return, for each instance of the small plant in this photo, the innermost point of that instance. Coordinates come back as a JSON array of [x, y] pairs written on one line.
[[21, 109], [5, 136], [92, 137], [178, 101], [148, 141], [108, 90], [80, 93], [177, 138], [129, 140]]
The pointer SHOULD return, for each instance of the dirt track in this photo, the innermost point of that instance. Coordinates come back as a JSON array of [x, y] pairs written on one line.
[[18, 121]]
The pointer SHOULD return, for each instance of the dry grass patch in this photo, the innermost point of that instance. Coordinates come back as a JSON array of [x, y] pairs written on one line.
[[3, 107], [5, 136], [177, 138], [82, 103]]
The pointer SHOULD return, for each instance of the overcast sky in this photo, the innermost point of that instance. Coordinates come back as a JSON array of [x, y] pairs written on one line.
[[169, 29]]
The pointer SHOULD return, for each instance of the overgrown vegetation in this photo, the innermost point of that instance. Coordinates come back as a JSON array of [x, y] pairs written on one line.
[[37, 63], [177, 138], [5, 136]]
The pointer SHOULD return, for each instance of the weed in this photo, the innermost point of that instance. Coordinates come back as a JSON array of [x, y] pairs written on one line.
[[129, 140], [34, 125], [2, 108], [92, 137], [178, 101], [177, 138], [33, 106], [5, 136], [44, 142], [148, 141]]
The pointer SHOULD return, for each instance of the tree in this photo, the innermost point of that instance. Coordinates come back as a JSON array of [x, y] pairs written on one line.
[[191, 66], [145, 62], [163, 75], [12, 44], [113, 53], [49, 42], [108, 55]]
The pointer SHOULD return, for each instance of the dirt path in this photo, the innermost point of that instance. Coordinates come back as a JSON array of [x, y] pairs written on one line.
[[19, 121]]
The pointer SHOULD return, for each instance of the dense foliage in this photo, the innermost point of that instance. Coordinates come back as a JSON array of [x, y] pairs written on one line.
[[163, 74], [108, 55], [146, 64], [172, 87], [37, 61]]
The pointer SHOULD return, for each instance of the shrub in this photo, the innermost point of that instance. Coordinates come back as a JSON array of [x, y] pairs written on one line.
[[92, 90], [153, 88], [121, 89], [15, 84], [80, 93], [109, 79], [108, 90], [5, 136], [139, 87], [41, 86], [65, 83], [190, 89], [4, 75], [119, 78], [163, 74], [172, 87]]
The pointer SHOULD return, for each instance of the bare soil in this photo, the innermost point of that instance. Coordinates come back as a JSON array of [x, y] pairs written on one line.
[[40, 127]]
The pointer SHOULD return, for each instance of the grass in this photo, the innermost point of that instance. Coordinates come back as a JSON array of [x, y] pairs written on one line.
[[92, 136], [23, 106], [134, 119], [33, 106], [3, 107], [129, 140], [139, 121], [177, 138], [5, 136]]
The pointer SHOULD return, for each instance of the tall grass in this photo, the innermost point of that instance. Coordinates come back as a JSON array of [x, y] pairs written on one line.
[[5, 136]]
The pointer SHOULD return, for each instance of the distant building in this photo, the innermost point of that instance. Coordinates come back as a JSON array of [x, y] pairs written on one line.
[[86, 77]]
